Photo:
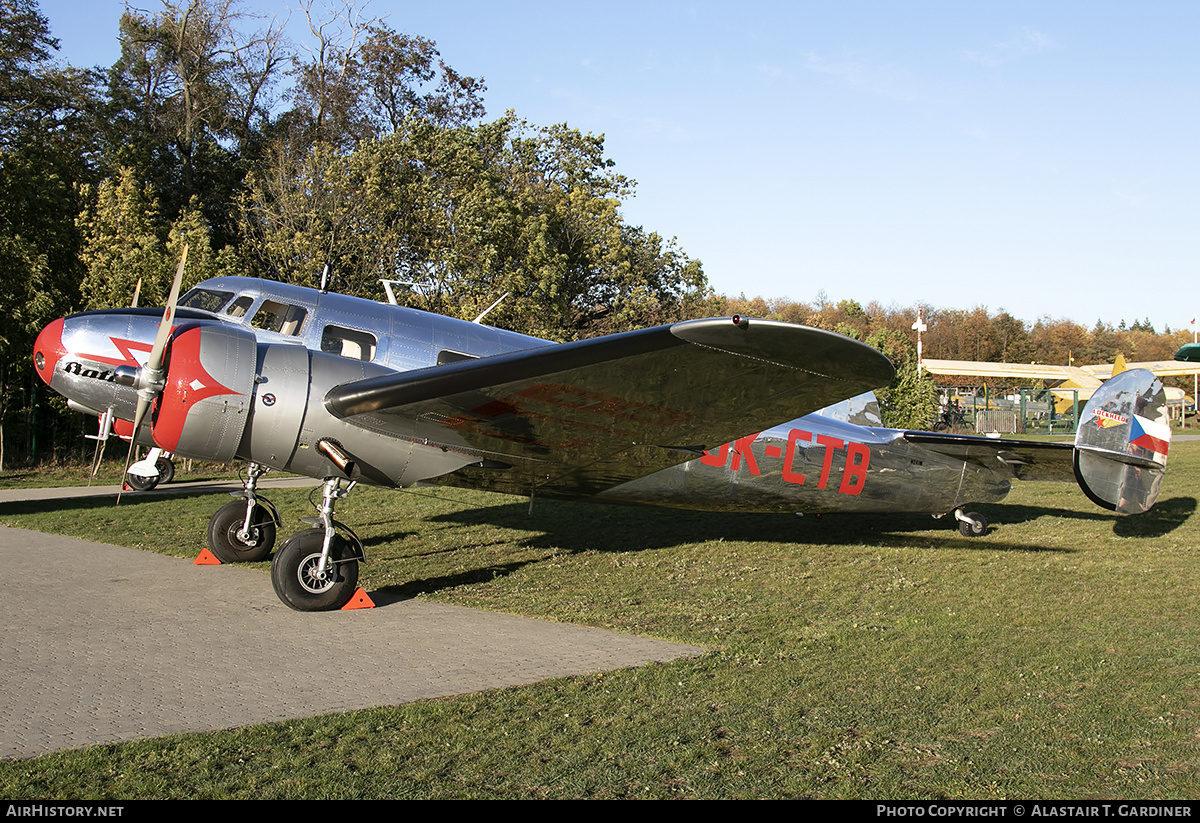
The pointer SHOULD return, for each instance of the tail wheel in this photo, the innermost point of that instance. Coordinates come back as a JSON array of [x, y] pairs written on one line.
[[166, 470], [228, 542], [973, 524], [139, 483], [301, 585]]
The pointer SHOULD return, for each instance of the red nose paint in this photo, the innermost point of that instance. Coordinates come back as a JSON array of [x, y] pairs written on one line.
[[48, 350]]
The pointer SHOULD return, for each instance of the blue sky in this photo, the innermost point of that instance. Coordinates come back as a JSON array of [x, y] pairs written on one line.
[[1035, 157]]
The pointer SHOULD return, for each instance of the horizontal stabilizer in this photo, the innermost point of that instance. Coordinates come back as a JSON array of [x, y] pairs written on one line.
[[1020, 459], [1122, 443]]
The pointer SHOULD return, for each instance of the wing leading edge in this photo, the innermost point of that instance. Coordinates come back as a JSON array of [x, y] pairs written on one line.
[[577, 418]]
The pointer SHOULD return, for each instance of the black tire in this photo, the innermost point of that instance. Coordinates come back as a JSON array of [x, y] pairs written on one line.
[[973, 529], [139, 483], [223, 530], [166, 470], [293, 573]]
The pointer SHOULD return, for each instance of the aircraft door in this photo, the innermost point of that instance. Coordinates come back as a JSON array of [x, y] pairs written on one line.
[[280, 401]]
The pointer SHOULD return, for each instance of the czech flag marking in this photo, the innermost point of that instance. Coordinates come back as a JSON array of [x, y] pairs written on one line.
[[1150, 435]]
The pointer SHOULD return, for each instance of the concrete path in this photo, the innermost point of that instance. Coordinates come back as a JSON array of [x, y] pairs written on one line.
[[103, 644]]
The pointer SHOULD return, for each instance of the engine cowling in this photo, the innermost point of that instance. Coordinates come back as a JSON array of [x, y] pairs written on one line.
[[204, 406]]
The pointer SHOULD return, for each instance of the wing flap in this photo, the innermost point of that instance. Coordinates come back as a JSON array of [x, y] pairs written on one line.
[[589, 415]]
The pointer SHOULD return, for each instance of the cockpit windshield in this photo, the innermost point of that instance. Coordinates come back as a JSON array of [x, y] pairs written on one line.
[[209, 300]]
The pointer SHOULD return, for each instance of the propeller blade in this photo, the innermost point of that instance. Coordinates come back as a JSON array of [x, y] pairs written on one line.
[[151, 375], [142, 407], [136, 291], [154, 363]]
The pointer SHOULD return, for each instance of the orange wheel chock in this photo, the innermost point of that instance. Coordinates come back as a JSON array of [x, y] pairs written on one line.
[[206, 558], [359, 600]]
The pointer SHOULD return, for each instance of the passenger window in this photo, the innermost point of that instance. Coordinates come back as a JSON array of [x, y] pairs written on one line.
[[451, 356], [279, 317], [239, 307], [350, 343]]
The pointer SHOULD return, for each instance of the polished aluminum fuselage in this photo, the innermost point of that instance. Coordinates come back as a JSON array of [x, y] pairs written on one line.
[[819, 464], [839, 459]]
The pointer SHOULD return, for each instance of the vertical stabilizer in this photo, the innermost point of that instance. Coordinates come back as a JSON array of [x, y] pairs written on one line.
[[1122, 443]]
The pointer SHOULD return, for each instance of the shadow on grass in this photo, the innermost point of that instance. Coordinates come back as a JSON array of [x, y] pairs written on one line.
[[431, 585], [100, 501], [575, 527], [1164, 518], [572, 527]]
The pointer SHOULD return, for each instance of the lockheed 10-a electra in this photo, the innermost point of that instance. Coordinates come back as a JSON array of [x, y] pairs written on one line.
[[728, 413]]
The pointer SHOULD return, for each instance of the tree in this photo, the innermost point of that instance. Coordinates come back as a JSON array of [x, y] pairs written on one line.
[[37, 257], [188, 91], [37, 98], [468, 214], [45, 150], [911, 401], [122, 245], [191, 229], [362, 81], [1057, 341], [1011, 339], [1103, 345], [398, 73]]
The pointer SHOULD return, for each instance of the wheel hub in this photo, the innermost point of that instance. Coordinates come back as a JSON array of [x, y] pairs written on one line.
[[313, 581]]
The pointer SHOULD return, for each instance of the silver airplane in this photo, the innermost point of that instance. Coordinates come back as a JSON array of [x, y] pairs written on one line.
[[688, 415]]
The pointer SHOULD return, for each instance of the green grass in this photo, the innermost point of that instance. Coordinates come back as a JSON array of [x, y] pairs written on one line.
[[852, 656], [74, 473]]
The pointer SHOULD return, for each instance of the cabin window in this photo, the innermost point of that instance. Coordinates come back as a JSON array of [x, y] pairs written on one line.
[[239, 307], [279, 317], [350, 343], [451, 356], [209, 300]]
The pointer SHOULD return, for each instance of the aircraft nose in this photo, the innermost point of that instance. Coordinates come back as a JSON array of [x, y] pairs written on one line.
[[48, 349]]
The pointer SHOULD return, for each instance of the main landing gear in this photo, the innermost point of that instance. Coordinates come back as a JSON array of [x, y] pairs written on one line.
[[317, 569], [244, 531]]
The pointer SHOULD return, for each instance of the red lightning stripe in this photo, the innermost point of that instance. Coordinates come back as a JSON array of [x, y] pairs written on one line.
[[125, 347]]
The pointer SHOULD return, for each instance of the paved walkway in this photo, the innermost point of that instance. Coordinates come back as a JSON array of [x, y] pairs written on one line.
[[103, 644], [214, 486]]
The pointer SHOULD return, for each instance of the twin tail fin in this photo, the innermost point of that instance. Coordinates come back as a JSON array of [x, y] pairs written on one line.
[[1122, 442]]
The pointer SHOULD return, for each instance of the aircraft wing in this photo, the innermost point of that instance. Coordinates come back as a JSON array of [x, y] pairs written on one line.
[[1160, 368], [1020, 459], [1031, 371], [1084, 376], [581, 417]]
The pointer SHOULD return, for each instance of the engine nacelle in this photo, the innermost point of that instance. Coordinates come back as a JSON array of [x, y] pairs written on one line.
[[210, 382]]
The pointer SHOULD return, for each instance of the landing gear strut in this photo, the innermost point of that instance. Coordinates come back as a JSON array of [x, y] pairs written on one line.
[[317, 569], [244, 531]]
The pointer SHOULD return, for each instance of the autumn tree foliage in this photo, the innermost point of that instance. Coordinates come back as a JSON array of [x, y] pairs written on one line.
[[956, 334], [975, 334]]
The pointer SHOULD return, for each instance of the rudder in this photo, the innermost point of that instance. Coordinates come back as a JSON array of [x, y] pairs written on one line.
[[1122, 442]]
